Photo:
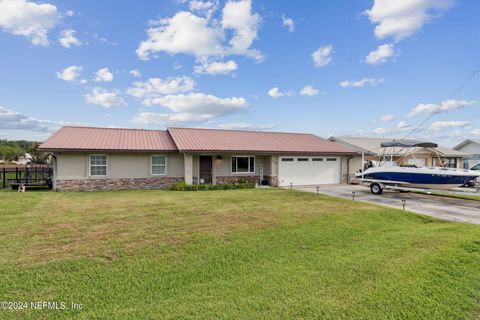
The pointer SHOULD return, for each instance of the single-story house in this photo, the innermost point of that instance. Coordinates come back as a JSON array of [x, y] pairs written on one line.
[[372, 150], [472, 149], [87, 159]]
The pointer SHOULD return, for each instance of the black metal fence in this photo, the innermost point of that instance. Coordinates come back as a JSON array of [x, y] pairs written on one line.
[[27, 175]]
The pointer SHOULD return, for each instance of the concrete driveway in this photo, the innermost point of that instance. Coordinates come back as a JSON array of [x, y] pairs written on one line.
[[452, 209]]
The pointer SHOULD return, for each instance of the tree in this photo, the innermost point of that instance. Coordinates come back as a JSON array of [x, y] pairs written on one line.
[[38, 157], [9, 153]]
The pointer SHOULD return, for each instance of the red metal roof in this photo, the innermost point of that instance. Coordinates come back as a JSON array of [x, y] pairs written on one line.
[[188, 139], [111, 139]]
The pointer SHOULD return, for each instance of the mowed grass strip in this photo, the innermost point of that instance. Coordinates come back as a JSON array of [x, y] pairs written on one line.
[[235, 254]]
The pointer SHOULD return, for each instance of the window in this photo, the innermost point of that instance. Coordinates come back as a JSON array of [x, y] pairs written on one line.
[[331, 159], [317, 159], [302, 159], [98, 165], [447, 162], [243, 164], [159, 165], [475, 167], [287, 159]]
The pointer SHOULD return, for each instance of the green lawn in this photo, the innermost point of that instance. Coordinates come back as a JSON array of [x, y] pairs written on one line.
[[236, 254]]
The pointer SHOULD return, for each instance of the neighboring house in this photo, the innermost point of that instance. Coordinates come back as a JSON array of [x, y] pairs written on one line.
[[472, 149], [418, 156], [108, 159]]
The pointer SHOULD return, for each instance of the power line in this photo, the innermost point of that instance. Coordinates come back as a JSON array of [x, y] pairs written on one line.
[[464, 83]]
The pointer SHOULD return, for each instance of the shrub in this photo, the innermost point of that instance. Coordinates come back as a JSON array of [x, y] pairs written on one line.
[[183, 186]]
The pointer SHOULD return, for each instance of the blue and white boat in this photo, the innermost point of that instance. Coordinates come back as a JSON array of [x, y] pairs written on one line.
[[420, 177]]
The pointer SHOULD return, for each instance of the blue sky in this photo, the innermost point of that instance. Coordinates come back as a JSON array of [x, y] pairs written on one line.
[[370, 68]]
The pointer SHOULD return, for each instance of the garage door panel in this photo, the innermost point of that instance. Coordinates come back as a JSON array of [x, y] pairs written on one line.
[[309, 170]]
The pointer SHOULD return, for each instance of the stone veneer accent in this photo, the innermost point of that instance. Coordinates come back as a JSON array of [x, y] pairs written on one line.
[[116, 184], [236, 179]]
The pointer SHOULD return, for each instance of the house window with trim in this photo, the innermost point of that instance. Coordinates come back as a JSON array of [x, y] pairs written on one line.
[[159, 165], [243, 164], [98, 165], [447, 162]]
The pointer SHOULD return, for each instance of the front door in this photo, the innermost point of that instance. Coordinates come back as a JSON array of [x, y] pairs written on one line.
[[206, 169]]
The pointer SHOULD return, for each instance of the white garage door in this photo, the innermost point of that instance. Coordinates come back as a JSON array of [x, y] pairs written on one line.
[[308, 170]]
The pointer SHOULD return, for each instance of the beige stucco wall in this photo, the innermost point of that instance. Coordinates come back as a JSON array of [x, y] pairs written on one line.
[[119, 165]]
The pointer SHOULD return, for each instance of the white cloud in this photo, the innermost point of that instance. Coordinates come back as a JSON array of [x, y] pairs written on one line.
[[445, 106], [70, 73], [476, 132], [13, 120], [309, 90], [322, 56], [238, 16], [135, 73], [245, 126], [442, 125], [70, 13], [387, 118], [68, 39], [200, 103], [192, 107], [380, 131], [361, 83], [156, 87], [381, 54], [288, 23], [168, 118], [203, 37], [206, 8], [216, 67], [28, 19], [276, 93], [103, 75], [401, 19], [105, 98], [402, 125]]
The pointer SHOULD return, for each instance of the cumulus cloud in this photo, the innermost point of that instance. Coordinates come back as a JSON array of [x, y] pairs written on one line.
[[361, 83], [103, 75], [13, 120], [29, 19], [381, 54], [135, 73], [309, 90], [67, 38], [156, 87], [191, 107], [445, 106], [402, 125], [387, 118], [288, 23], [442, 125], [203, 37], [216, 67], [245, 126], [322, 56], [476, 132], [276, 93], [105, 98], [154, 118], [70, 73], [205, 8], [401, 19]]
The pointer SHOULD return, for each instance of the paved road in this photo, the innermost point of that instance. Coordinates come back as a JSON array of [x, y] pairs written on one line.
[[452, 209]]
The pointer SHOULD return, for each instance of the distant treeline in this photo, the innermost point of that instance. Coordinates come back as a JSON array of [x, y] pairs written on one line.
[[14, 149]]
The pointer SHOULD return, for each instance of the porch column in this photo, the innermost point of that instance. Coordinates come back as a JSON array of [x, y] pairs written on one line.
[[188, 170]]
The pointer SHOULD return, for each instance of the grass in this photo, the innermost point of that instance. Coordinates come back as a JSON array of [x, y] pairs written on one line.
[[234, 254]]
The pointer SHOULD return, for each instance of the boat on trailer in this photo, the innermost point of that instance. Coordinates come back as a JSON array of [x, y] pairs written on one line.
[[389, 174]]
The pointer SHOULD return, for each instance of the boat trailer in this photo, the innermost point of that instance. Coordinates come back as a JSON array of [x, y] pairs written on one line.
[[377, 187]]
